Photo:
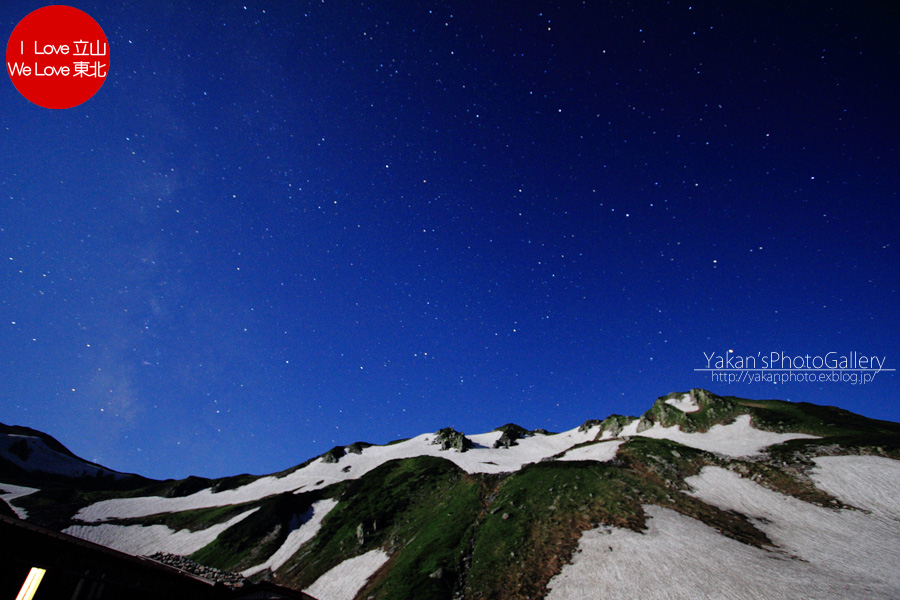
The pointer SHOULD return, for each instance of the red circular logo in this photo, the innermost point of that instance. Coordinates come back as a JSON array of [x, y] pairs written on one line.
[[57, 57]]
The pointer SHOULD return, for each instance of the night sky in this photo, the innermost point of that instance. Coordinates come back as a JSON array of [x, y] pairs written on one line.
[[281, 226]]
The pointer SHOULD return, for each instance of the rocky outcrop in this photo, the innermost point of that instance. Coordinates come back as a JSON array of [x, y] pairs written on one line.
[[614, 424], [357, 447], [511, 433], [448, 438], [713, 410], [588, 424], [333, 455], [183, 563]]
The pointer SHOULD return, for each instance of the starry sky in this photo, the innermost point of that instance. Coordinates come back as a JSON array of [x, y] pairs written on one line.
[[280, 226]]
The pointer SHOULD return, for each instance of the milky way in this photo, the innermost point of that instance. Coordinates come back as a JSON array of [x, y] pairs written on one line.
[[283, 226]]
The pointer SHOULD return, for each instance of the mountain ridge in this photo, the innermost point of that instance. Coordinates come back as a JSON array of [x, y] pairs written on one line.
[[504, 514]]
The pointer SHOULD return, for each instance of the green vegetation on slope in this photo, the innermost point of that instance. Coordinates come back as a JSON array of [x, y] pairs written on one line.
[[255, 538], [420, 509], [192, 520], [803, 417], [537, 515], [535, 519], [713, 410]]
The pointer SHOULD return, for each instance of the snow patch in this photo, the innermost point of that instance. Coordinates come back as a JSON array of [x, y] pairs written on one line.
[[735, 439], [821, 552], [630, 429], [684, 403], [867, 482], [862, 547], [9, 492], [344, 581], [680, 558], [296, 538], [143, 541], [601, 452]]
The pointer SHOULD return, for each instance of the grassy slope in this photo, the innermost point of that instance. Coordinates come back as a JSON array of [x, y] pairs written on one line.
[[421, 509], [534, 521], [539, 513], [60, 497], [255, 538]]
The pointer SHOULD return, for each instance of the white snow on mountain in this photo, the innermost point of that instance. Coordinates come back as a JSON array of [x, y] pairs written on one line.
[[680, 558], [739, 438], [866, 482], [820, 552], [302, 533], [318, 474], [735, 439], [862, 546], [344, 581], [9, 492], [600, 452], [684, 403], [146, 540]]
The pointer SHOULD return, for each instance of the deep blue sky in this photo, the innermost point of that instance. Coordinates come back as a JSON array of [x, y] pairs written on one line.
[[284, 226]]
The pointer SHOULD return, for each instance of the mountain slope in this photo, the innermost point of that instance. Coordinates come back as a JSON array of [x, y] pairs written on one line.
[[714, 488], [29, 450]]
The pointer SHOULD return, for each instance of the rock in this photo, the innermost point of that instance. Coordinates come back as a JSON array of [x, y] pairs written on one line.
[[511, 433], [333, 455], [357, 447], [505, 441], [449, 438], [183, 563], [588, 424], [614, 424]]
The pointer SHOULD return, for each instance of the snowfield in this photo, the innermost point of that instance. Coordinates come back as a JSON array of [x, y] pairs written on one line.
[[684, 403], [857, 544], [821, 553], [9, 492], [734, 439], [600, 452], [344, 581], [680, 558], [318, 474], [143, 541], [866, 482], [301, 534]]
